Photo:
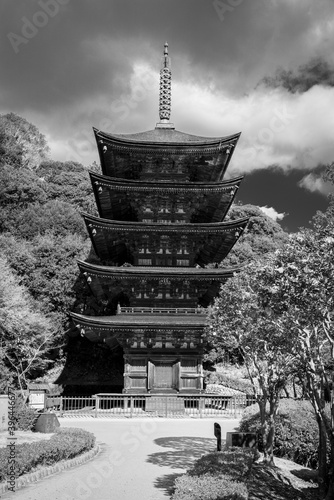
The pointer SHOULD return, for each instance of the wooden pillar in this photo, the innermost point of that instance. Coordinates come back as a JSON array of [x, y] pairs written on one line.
[[150, 375], [126, 375], [200, 373], [179, 375]]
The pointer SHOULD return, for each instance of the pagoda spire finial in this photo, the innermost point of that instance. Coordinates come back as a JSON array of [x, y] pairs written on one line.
[[165, 91]]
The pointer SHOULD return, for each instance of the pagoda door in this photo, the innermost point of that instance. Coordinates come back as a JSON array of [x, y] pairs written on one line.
[[164, 375]]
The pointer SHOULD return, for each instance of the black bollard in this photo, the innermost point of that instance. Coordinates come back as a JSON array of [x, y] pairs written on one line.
[[218, 434]]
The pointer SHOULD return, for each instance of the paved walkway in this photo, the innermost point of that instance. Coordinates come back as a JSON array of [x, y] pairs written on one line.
[[140, 459]]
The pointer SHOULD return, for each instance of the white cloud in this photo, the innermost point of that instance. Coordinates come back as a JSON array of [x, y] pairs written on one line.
[[278, 128], [314, 183], [272, 213]]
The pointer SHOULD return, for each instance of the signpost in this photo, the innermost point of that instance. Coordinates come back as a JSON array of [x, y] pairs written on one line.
[[218, 434]]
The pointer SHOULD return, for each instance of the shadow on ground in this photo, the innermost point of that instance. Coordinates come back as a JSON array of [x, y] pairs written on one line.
[[268, 484], [166, 483], [185, 450], [265, 483]]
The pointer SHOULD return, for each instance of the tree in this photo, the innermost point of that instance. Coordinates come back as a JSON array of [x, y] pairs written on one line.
[[69, 182], [21, 143], [261, 237], [26, 335], [241, 320], [300, 294], [47, 267]]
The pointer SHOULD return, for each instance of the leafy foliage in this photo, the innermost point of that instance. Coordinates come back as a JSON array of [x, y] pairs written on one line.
[[42, 235], [24, 415], [238, 384], [47, 267], [261, 237], [67, 182], [241, 319], [296, 431], [26, 334], [21, 143]]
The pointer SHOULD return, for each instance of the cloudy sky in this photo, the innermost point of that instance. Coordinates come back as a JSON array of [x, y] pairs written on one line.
[[262, 67]]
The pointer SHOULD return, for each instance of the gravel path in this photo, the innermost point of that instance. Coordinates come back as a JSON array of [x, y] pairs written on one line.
[[140, 459]]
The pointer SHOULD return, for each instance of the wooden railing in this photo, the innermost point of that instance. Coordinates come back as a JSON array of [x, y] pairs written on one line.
[[150, 405], [160, 310]]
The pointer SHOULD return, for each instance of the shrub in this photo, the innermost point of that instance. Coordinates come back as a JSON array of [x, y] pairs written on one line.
[[296, 431], [217, 476], [24, 415], [208, 487], [239, 384], [64, 444], [234, 462]]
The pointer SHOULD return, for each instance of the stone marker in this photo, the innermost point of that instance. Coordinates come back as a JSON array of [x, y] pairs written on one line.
[[242, 439], [47, 423]]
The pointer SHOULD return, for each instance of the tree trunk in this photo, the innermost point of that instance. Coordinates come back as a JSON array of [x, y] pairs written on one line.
[[330, 491], [269, 445], [322, 468], [268, 432]]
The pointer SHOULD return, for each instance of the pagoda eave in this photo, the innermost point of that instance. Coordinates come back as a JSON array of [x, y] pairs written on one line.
[[156, 227], [120, 241], [169, 186], [201, 285], [141, 272], [203, 202], [163, 139], [128, 156], [143, 331]]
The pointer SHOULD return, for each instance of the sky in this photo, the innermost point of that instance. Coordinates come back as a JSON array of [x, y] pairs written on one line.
[[261, 67]]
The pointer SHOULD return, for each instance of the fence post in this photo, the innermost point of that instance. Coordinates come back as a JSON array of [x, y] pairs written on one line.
[[166, 399], [201, 404], [235, 406], [61, 406], [97, 404], [131, 406]]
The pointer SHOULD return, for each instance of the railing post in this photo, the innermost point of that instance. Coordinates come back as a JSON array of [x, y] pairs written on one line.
[[201, 404], [97, 405], [131, 406], [235, 406], [61, 406]]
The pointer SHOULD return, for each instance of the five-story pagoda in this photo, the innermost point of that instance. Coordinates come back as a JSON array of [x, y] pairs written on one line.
[[160, 236]]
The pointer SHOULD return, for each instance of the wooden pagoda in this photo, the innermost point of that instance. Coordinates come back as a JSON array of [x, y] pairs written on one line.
[[160, 236]]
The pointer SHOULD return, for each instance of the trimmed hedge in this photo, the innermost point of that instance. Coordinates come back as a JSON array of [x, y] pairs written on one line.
[[209, 487], [296, 431], [217, 476], [66, 443], [234, 462]]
